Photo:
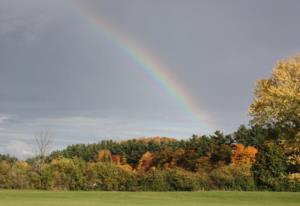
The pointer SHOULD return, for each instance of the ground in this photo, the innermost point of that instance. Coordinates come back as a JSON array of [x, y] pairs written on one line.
[[59, 198]]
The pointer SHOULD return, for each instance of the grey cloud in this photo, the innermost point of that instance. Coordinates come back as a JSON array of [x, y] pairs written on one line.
[[59, 71]]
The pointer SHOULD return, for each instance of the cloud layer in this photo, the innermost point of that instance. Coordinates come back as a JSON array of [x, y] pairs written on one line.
[[59, 72]]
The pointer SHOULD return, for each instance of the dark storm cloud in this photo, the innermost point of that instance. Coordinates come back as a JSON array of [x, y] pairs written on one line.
[[58, 71]]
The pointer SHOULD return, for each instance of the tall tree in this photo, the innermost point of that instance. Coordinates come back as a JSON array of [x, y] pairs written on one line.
[[277, 103], [277, 99]]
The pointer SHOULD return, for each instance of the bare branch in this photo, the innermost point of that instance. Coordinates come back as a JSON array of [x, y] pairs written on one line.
[[43, 141]]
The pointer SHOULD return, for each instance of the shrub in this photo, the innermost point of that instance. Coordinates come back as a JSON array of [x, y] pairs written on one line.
[[243, 178], [182, 180], [222, 177], [204, 181], [105, 176], [154, 180], [293, 182]]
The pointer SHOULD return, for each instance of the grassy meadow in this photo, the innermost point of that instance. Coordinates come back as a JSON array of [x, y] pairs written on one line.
[[59, 198]]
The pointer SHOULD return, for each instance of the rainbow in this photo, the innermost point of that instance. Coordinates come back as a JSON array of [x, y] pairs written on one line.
[[153, 69]]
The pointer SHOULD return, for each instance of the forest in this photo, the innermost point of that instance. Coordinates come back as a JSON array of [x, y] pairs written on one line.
[[264, 155]]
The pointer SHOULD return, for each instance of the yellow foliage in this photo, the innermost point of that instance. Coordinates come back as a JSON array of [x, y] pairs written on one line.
[[292, 149], [277, 98], [21, 165], [4, 167], [104, 156], [277, 102], [295, 177]]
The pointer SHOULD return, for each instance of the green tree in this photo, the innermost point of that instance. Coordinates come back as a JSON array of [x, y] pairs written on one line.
[[253, 136], [270, 168], [220, 150], [8, 158]]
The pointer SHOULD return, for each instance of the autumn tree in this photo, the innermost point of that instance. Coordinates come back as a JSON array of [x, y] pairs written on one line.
[[116, 159], [292, 150], [145, 162], [164, 159], [277, 98], [277, 103], [104, 156], [5, 170], [242, 155], [19, 175]]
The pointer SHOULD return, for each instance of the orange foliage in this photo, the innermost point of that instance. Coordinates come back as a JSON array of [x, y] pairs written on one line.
[[242, 155], [145, 162], [126, 168]]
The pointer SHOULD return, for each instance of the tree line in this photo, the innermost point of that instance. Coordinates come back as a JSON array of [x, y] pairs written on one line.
[[262, 156]]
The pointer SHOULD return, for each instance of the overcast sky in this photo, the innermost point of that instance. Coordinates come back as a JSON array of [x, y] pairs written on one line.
[[60, 72]]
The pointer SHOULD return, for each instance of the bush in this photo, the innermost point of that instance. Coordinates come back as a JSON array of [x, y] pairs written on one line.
[[106, 176], [230, 177], [243, 178], [293, 182], [222, 177], [182, 180], [154, 180]]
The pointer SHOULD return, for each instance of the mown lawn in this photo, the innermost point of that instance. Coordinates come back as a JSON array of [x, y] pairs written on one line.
[[44, 198]]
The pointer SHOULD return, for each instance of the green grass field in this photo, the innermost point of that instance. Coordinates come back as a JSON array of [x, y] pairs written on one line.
[[40, 198]]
